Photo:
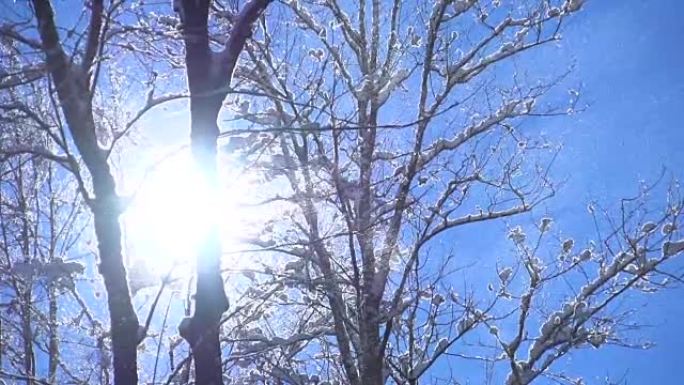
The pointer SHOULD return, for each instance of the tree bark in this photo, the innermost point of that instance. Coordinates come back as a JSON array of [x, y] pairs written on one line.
[[209, 76], [72, 83], [53, 331], [27, 336]]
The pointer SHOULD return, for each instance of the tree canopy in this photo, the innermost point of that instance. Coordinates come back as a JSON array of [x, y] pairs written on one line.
[[369, 141]]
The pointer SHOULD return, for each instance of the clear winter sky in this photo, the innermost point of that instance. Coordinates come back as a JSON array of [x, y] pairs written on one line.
[[630, 61], [629, 58]]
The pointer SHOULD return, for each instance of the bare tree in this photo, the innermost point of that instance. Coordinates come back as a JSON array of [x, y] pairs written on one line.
[[377, 130], [381, 133], [42, 222], [209, 76], [63, 68]]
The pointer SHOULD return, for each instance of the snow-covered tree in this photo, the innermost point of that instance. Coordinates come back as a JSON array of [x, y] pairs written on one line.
[[60, 84], [384, 129], [377, 134], [66, 61], [209, 76], [42, 226]]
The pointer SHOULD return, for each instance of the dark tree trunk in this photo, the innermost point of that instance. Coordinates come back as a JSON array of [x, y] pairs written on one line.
[[27, 336], [26, 292], [72, 83], [369, 332], [209, 75], [53, 330], [122, 317]]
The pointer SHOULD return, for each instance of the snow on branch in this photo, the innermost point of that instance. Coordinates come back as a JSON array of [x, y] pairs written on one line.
[[508, 110]]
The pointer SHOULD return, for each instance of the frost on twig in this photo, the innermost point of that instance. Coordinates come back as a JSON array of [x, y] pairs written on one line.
[[630, 260]]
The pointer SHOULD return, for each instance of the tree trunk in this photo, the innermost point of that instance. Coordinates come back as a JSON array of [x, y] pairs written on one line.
[[53, 343], [209, 75], [26, 291], [122, 317], [210, 298], [72, 83], [27, 335], [371, 363]]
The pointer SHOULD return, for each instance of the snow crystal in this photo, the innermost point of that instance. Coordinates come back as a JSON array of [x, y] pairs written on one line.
[[419, 369], [632, 268], [454, 296], [567, 245], [517, 235], [648, 227], [505, 274], [585, 255], [442, 345], [465, 323], [317, 54], [461, 6], [671, 248], [573, 5], [545, 224], [668, 228], [438, 299], [553, 12], [597, 339]]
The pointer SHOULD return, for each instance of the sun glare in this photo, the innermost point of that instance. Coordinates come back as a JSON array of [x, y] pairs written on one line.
[[166, 221]]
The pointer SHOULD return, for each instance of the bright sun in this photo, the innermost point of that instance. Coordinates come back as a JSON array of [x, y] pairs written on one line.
[[165, 222]]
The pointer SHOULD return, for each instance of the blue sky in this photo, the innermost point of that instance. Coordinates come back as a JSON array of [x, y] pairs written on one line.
[[629, 62], [629, 66], [631, 70]]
